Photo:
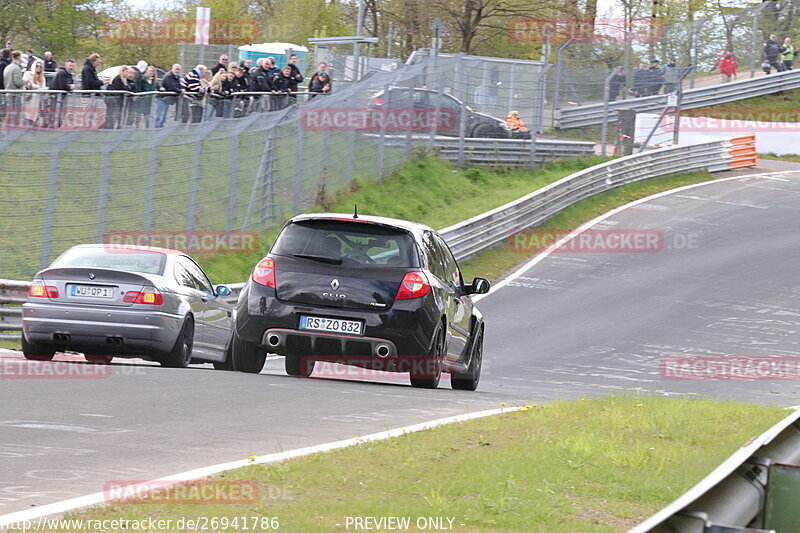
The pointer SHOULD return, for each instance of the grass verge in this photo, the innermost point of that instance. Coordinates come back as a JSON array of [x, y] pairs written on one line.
[[777, 107], [588, 465], [794, 158], [6, 344]]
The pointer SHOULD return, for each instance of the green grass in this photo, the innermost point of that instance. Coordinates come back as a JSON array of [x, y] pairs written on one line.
[[591, 133], [10, 344], [427, 190], [777, 107], [785, 157], [588, 465], [498, 260]]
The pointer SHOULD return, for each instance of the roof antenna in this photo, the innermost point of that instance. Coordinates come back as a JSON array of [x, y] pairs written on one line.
[[355, 211]]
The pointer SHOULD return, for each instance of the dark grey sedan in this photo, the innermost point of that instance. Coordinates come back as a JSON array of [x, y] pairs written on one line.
[[118, 301]]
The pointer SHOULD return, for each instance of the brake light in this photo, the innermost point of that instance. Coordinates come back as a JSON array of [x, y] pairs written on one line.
[[377, 101], [414, 285], [264, 272], [39, 290], [148, 296]]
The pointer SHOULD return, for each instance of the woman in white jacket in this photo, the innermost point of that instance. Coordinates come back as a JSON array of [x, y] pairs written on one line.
[[34, 80]]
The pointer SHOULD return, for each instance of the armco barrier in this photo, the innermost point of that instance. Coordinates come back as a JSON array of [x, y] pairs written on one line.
[[586, 115], [754, 490], [471, 236]]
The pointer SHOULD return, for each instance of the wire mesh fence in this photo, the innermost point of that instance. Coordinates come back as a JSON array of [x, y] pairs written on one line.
[[230, 176]]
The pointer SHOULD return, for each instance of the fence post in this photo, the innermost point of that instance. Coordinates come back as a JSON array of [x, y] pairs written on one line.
[[102, 200], [754, 41], [382, 137], [50, 206], [606, 97], [268, 199], [298, 170], [348, 162], [538, 107], [232, 186], [557, 80]]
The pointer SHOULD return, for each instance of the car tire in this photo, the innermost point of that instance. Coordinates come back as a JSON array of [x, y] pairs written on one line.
[[429, 376], [181, 354], [99, 359], [37, 352], [246, 356], [483, 131], [227, 364], [469, 379], [298, 366]]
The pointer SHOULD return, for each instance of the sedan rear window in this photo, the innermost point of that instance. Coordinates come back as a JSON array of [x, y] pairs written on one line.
[[345, 243], [113, 258]]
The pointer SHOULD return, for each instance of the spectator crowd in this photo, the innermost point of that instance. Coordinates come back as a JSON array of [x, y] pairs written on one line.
[[200, 94]]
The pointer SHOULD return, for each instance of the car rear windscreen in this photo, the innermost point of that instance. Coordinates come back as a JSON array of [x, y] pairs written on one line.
[[113, 258], [352, 244]]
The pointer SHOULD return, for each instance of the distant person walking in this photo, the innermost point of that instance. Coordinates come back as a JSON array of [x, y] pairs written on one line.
[[616, 83], [787, 54], [772, 51], [672, 76], [727, 68]]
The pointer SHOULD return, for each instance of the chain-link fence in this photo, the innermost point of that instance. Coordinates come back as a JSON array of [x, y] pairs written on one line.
[[60, 187], [582, 60]]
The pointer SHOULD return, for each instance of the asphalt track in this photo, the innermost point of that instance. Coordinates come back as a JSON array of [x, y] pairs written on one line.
[[726, 283]]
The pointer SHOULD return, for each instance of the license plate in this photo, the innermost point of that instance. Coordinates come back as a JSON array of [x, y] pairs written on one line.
[[332, 325], [91, 291]]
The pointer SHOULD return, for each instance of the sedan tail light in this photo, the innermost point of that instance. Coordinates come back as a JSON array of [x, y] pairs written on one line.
[[264, 272], [414, 285], [148, 295], [377, 101], [39, 290]]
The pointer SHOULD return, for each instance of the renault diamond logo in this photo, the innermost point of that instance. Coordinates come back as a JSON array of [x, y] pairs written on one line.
[[91, 275], [334, 284]]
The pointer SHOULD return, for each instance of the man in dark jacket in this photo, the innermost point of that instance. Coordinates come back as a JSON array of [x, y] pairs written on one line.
[[171, 84], [89, 79], [617, 82], [639, 87], [261, 82], [50, 64], [63, 81], [655, 78], [772, 50], [5, 60], [295, 69], [285, 83], [221, 65], [193, 90]]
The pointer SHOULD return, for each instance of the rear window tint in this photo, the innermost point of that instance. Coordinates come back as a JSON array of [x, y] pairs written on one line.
[[355, 243], [117, 259]]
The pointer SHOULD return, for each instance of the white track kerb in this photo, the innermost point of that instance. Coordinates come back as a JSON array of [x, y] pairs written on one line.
[[101, 497]]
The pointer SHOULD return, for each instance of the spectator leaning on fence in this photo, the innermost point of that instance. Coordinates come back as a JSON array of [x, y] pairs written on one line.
[[320, 82], [118, 107], [12, 75], [171, 83], [672, 76], [222, 64], [787, 54], [64, 80], [727, 68], [89, 79], [193, 93], [295, 69], [34, 81]]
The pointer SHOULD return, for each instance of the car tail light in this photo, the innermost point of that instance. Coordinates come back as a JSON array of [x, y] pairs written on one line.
[[264, 272], [377, 101], [40, 290], [148, 296], [414, 285]]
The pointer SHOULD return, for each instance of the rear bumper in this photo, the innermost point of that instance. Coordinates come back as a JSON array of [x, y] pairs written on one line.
[[405, 330], [90, 328]]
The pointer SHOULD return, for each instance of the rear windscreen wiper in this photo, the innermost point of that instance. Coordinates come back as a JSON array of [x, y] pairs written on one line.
[[320, 258]]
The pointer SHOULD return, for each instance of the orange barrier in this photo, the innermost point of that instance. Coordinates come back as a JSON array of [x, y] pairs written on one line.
[[743, 151]]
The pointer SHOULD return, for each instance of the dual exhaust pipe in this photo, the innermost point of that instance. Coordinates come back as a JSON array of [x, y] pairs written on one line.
[[61, 338], [115, 341], [382, 350]]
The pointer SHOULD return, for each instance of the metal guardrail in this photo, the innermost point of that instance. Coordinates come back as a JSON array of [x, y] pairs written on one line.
[[471, 236], [754, 490], [497, 151], [586, 115]]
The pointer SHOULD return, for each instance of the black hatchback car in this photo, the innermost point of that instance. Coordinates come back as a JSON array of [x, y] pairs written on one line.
[[366, 291]]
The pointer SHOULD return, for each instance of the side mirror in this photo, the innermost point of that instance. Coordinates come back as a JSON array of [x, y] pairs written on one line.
[[479, 286], [222, 290]]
